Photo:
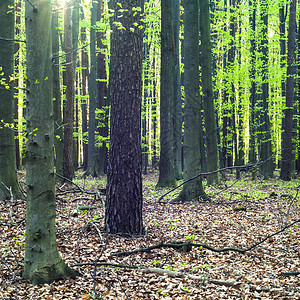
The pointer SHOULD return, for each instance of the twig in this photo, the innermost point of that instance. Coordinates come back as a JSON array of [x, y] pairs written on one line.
[[80, 189], [188, 246], [14, 276], [34, 8], [11, 199], [11, 40]]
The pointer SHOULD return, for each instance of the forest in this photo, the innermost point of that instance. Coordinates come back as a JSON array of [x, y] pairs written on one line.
[[149, 149]]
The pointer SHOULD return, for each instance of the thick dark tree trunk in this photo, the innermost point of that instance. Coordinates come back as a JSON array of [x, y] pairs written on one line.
[[123, 211], [286, 162]]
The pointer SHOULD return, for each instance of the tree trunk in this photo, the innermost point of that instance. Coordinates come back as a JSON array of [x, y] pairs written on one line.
[[286, 162], [177, 102], [252, 119], [123, 211], [92, 155], [68, 171], [58, 123], [166, 163], [42, 263], [8, 175], [192, 109], [207, 89], [84, 63], [265, 139], [102, 97]]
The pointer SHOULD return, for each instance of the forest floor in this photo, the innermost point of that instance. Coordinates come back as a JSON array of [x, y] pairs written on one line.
[[241, 213]]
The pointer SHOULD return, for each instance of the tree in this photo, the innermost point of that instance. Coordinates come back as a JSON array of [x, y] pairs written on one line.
[[166, 163], [177, 102], [192, 108], [57, 113], [286, 162], [8, 175], [42, 263], [208, 96], [265, 138], [92, 157], [70, 94], [102, 96], [123, 212]]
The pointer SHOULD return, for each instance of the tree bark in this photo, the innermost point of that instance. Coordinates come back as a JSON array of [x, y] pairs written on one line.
[[92, 154], [8, 174], [286, 162], [68, 171], [42, 263], [166, 163], [58, 123], [123, 211], [208, 97], [192, 109]]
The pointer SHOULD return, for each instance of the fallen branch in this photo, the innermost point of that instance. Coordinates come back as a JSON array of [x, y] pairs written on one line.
[[188, 246], [202, 279], [251, 166]]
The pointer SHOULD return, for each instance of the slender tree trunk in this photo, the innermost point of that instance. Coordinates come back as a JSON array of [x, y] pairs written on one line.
[[42, 263], [92, 154], [102, 97], [265, 141], [166, 163], [8, 175], [192, 108], [208, 96], [252, 119], [17, 66], [177, 102], [68, 171], [286, 163], [84, 63], [123, 211], [58, 123]]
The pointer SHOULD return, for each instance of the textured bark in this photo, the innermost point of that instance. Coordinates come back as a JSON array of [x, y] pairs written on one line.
[[177, 102], [265, 128], [58, 123], [192, 109], [123, 212], [92, 154], [102, 97], [17, 66], [8, 175], [70, 94], [42, 263], [84, 62], [286, 162], [166, 163], [208, 97]]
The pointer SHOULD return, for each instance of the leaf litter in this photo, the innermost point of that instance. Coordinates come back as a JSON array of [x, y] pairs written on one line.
[[268, 271]]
